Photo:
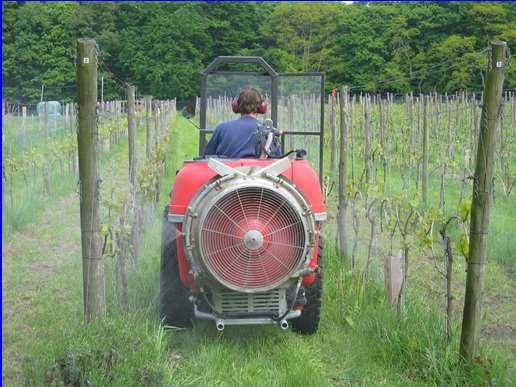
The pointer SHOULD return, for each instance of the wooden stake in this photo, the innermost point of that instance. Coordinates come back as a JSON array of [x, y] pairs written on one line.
[[131, 134], [424, 174], [343, 173], [156, 123], [333, 125], [367, 138], [482, 189], [88, 142], [45, 119], [24, 118], [148, 108]]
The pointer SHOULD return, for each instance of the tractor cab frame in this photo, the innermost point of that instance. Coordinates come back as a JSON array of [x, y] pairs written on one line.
[[295, 100]]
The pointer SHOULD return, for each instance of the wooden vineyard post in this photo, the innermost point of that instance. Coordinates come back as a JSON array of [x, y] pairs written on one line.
[[102, 95], [343, 173], [156, 123], [4, 177], [481, 202], [410, 126], [160, 120], [71, 109], [351, 138], [367, 139], [131, 135], [24, 125], [333, 123], [46, 170], [424, 169], [148, 107], [88, 142], [156, 140], [45, 118], [66, 117], [382, 106], [448, 253]]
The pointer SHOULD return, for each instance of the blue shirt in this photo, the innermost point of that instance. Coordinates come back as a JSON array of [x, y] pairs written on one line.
[[235, 139]]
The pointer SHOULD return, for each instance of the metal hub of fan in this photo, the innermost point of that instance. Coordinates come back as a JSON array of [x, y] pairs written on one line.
[[249, 234], [253, 239]]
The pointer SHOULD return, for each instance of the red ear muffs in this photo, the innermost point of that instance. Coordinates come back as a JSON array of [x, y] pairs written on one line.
[[235, 105], [263, 107]]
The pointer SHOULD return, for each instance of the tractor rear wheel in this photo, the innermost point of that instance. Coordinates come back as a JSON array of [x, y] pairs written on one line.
[[174, 307], [308, 322]]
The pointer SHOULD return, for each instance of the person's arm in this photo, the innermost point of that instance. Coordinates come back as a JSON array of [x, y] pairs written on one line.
[[211, 146]]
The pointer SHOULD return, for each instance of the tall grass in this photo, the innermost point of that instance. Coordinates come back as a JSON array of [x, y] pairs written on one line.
[[361, 342], [412, 346]]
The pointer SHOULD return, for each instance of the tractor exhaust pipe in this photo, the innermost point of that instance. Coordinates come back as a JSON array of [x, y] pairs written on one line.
[[220, 325], [284, 324]]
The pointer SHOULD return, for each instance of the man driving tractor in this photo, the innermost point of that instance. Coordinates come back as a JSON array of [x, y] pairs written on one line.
[[240, 138]]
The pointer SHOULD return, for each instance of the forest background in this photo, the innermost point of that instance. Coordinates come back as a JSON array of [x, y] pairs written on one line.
[[163, 47]]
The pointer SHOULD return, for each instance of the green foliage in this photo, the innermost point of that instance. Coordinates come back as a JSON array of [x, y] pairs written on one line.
[[149, 176], [53, 151], [163, 47], [465, 209], [303, 34], [39, 170], [463, 245]]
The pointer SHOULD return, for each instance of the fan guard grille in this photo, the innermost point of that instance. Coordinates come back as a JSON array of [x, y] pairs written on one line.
[[252, 238]]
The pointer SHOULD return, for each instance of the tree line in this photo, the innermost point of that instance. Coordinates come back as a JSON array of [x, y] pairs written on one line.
[[163, 47]]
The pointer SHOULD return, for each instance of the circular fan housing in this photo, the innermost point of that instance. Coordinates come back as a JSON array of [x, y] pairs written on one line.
[[249, 234]]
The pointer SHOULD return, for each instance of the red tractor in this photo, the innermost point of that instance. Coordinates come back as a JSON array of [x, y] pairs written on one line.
[[241, 238]]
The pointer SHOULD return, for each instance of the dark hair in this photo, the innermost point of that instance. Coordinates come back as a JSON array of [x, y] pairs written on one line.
[[249, 100]]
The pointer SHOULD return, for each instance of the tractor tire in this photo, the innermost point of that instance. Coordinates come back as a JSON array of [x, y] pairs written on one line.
[[174, 307], [308, 322]]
